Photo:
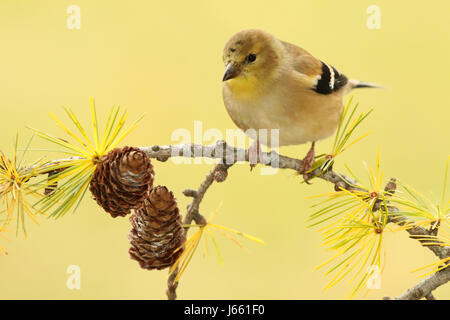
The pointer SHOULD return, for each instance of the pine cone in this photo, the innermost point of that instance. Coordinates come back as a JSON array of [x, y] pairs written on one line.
[[157, 231], [122, 180]]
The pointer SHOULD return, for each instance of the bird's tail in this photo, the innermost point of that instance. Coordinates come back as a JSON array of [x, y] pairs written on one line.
[[360, 84]]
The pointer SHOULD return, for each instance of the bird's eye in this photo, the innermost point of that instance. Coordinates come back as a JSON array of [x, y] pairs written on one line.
[[251, 57]]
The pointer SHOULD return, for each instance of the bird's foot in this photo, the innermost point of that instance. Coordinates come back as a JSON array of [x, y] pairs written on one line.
[[253, 154], [307, 164]]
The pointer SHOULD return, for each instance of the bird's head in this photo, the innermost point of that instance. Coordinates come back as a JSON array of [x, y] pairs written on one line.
[[251, 57]]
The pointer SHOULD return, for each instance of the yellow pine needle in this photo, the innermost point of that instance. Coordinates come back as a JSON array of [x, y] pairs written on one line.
[[432, 240], [71, 167], [94, 124], [444, 191], [333, 213], [87, 145], [106, 133], [205, 247], [29, 212], [440, 268], [344, 242], [78, 177], [423, 202], [362, 196], [355, 234], [2, 249], [437, 263], [78, 172], [329, 207], [379, 179], [117, 128], [226, 235], [3, 230], [341, 121], [75, 151], [192, 242], [190, 253], [353, 142], [358, 196], [328, 194], [371, 177], [366, 256], [339, 253], [186, 243], [434, 244], [424, 237], [189, 248], [16, 189], [215, 212], [247, 236], [348, 264], [346, 134], [347, 126], [357, 288], [327, 261], [349, 215], [192, 226], [328, 231], [413, 224], [122, 136], [80, 127], [215, 245], [235, 241], [422, 210]]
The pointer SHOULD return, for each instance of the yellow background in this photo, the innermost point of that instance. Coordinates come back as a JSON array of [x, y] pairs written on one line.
[[163, 58]]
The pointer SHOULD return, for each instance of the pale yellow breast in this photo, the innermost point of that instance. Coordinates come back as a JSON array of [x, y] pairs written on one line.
[[299, 114]]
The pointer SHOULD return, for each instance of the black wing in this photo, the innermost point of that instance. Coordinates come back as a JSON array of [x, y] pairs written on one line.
[[330, 80]]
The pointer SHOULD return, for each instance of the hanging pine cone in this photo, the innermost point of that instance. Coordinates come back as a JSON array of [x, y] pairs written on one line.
[[157, 231], [122, 180]]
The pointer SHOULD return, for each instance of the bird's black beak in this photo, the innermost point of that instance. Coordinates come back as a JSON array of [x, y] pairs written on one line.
[[231, 71]]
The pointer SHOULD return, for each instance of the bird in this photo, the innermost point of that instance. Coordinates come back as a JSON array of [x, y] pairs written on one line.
[[275, 85]]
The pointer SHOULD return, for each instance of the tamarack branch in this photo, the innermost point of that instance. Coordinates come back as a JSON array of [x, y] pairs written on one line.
[[121, 180], [229, 155]]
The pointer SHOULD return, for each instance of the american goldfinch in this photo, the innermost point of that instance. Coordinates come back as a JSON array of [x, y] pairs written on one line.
[[271, 84]]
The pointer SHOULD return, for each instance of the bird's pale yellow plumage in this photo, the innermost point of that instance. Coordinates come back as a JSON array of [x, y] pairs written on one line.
[[275, 90]]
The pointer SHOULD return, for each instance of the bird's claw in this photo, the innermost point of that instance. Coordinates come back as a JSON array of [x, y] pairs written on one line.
[[307, 164], [253, 155], [304, 170]]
